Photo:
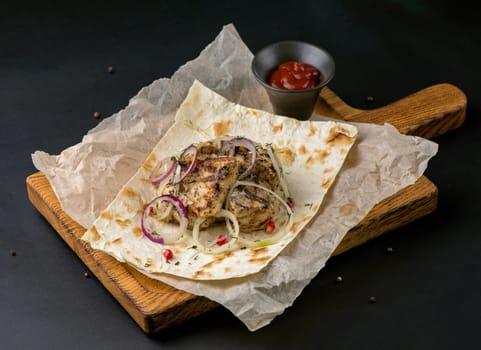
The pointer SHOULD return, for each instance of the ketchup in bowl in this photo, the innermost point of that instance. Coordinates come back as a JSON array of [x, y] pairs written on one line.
[[293, 75]]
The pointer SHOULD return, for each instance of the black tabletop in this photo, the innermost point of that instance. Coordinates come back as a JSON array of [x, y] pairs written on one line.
[[53, 77]]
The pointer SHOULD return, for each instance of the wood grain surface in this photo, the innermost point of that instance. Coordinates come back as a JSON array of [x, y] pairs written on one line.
[[155, 306]]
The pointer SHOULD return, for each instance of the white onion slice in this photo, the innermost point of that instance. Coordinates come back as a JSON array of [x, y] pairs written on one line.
[[277, 236], [213, 249], [176, 233], [279, 171]]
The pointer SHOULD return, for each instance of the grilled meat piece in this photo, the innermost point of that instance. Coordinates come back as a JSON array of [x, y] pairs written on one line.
[[205, 189], [253, 207], [263, 173]]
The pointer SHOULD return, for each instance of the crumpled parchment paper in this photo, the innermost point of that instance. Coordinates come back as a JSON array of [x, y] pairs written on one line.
[[87, 176]]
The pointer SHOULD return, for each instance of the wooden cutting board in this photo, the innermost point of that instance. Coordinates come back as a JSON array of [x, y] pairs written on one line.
[[155, 306]]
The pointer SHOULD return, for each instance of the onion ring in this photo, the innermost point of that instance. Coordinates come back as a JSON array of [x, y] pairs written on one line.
[[243, 142], [166, 174], [182, 228], [277, 236], [177, 178], [233, 232], [278, 169]]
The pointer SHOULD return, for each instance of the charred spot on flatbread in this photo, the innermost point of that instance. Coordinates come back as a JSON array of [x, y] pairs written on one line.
[[302, 150], [117, 240], [150, 162], [259, 255], [132, 194], [217, 259], [137, 231], [201, 274], [285, 155], [222, 128], [318, 156], [94, 233], [327, 182], [277, 128], [338, 137], [106, 214], [123, 223], [312, 131]]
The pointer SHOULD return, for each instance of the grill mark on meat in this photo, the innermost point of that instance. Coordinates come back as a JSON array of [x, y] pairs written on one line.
[[252, 206], [252, 211], [257, 198], [205, 189]]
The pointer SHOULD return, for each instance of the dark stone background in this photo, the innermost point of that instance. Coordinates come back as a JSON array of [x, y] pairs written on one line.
[[53, 61]]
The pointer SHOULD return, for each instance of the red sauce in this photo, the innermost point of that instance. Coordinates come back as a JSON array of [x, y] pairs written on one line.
[[294, 75]]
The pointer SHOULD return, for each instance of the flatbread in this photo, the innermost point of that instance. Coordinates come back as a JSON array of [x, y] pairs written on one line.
[[311, 154]]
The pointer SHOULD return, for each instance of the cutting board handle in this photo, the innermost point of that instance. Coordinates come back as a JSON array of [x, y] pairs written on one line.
[[430, 112]]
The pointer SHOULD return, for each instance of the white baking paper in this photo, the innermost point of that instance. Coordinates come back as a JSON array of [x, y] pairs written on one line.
[[87, 176]]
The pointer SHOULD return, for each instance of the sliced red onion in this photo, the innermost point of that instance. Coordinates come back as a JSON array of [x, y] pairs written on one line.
[[162, 164], [242, 142], [191, 149], [179, 206]]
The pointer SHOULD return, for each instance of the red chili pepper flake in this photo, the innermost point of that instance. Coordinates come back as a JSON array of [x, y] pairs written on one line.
[[96, 115], [86, 274], [270, 226], [151, 211], [291, 203], [168, 254], [372, 300], [221, 240], [12, 252]]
